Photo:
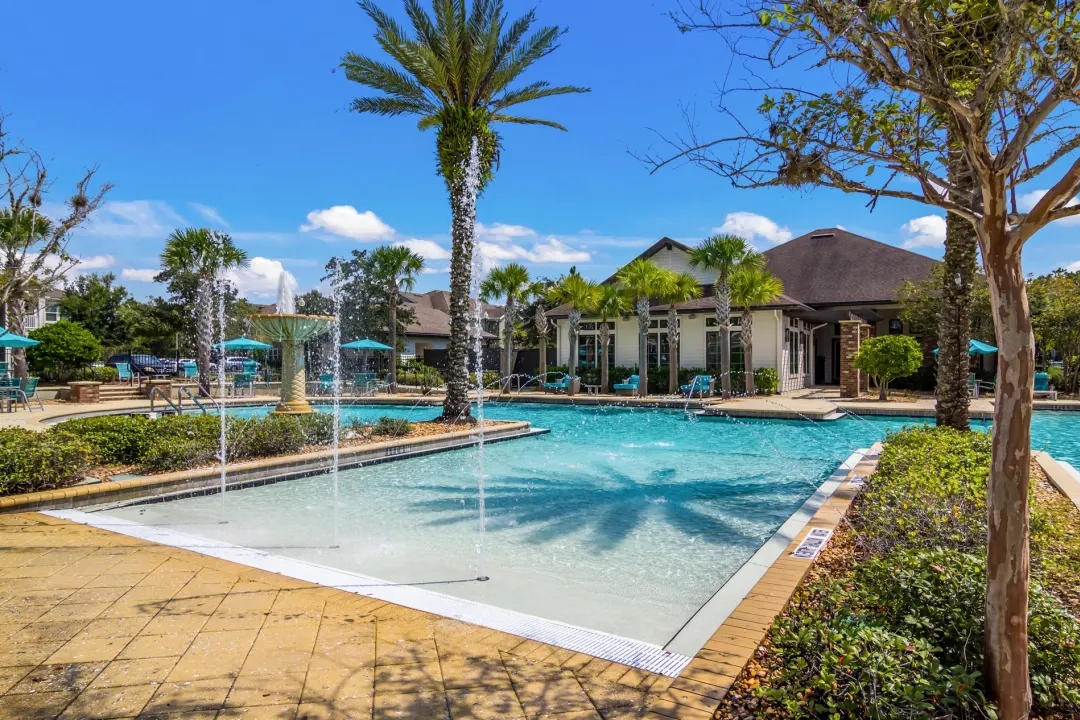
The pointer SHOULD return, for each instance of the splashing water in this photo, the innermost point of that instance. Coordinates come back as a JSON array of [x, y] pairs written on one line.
[[335, 367], [220, 285], [286, 294]]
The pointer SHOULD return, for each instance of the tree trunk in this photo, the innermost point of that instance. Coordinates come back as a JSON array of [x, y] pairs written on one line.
[[723, 323], [641, 306], [954, 323], [204, 332], [542, 371], [392, 301], [16, 326], [456, 405], [541, 323], [605, 337], [508, 341], [673, 351], [572, 328], [747, 333], [1006, 640], [883, 391]]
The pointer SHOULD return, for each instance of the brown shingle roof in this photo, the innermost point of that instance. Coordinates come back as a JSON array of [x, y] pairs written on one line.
[[432, 318], [833, 266]]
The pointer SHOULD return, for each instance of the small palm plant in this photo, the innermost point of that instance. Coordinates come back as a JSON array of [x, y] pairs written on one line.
[[641, 280], [457, 74], [724, 255], [512, 283], [752, 286], [201, 253], [609, 303], [395, 268], [580, 295], [680, 287]]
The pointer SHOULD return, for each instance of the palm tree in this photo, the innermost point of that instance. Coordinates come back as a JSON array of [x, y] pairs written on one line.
[[724, 255], [752, 285], [203, 253], [510, 282], [580, 295], [641, 280], [543, 291], [609, 303], [395, 267], [456, 75], [680, 287]]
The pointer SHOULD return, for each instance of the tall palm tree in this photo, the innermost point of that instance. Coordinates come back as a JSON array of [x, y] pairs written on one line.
[[580, 295], [609, 303], [542, 290], [203, 253], [680, 287], [510, 282], [456, 74], [724, 255], [395, 267], [752, 285], [641, 280]]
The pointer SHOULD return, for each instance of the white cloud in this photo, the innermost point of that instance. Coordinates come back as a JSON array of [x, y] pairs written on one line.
[[133, 219], [435, 271], [752, 226], [209, 214], [1075, 267], [925, 231], [347, 221], [95, 262], [427, 249], [501, 232], [554, 250], [1027, 201], [259, 279], [139, 274]]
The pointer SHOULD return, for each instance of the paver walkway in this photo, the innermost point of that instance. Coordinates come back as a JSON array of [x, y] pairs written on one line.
[[97, 625]]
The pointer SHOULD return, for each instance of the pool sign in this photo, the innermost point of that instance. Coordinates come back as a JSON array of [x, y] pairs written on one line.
[[812, 544]]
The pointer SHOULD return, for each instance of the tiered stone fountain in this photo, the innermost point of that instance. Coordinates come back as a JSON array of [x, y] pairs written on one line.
[[292, 331]]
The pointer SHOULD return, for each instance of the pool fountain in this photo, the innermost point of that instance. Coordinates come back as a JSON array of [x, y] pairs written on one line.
[[291, 330]]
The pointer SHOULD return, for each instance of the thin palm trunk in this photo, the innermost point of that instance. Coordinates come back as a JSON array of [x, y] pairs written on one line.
[[641, 307], [572, 329], [456, 406], [541, 323], [723, 323], [204, 331], [392, 291], [1007, 562], [746, 325], [954, 323], [16, 319], [508, 341], [604, 336], [673, 350]]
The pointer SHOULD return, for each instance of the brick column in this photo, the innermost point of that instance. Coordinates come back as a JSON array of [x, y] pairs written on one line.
[[864, 379], [850, 336], [164, 385], [85, 392]]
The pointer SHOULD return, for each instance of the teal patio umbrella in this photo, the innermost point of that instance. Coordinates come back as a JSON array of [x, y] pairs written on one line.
[[977, 347], [243, 343], [365, 344], [11, 340]]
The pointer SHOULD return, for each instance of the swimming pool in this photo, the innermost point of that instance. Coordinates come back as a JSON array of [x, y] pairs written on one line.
[[624, 521]]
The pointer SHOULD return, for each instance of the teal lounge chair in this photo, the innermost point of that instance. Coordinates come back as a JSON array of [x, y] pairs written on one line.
[[123, 372], [326, 384], [365, 383], [563, 385], [1042, 386], [243, 384], [703, 385], [251, 367], [29, 392], [190, 369], [630, 387]]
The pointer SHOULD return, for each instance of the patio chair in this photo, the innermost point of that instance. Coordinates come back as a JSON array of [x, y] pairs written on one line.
[[29, 392], [365, 383], [555, 386], [251, 367], [703, 385], [10, 388], [243, 384], [630, 387], [326, 384], [189, 369], [123, 372], [5, 370], [1042, 386]]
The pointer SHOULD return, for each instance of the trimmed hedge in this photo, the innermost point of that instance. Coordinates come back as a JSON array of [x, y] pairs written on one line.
[[31, 461]]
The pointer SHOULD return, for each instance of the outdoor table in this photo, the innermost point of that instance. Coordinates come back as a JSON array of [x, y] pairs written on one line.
[[592, 389]]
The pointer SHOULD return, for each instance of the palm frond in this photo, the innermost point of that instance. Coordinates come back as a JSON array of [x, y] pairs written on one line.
[[517, 120], [390, 106], [518, 29], [383, 77], [541, 43], [429, 36], [534, 91]]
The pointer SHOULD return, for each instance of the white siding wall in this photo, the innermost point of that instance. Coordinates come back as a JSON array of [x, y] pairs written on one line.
[[434, 343], [766, 328], [678, 261], [626, 342], [692, 340]]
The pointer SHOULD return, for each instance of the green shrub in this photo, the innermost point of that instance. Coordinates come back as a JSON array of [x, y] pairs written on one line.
[[417, 374], [888, 357], [31, 461], [266, 436], [182, 441], [1056, 377], [766, 381], [392, 426], [65, 348], [318, 428], [117, 439], [104, 374]]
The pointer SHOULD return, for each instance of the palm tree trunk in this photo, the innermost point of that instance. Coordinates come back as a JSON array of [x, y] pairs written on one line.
[[723, 323], [456, 405], [204, 331], [954, 323], [1006, 640], [604, 336], [673, 350], [641, 307], [572, 328], [393, 303], [541, 333], [747, 334], [508, 341]]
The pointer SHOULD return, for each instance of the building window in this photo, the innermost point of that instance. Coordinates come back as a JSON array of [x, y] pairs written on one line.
[[589, 351], [657, 348], [896, 327], [791, 341], [712, 353], [736, 320], [52, 312]]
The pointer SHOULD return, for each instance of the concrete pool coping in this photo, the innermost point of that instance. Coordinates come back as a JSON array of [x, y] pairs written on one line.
[[262, 471], [1061, 475]]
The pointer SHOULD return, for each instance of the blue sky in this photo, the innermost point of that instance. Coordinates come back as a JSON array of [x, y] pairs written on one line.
[[232, 115]]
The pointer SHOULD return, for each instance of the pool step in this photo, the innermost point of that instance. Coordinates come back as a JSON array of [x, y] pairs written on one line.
[[119, 392]]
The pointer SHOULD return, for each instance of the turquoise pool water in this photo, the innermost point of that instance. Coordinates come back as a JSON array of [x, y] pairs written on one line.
[[620, 520]]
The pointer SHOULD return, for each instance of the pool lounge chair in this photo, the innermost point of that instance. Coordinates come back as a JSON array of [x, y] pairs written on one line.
[[977, 387], [365, 383], [1042, 386], [703, 385], [123, 372], [243, 384], [630, 387], [563, 385], [189, 369], [326, 384]]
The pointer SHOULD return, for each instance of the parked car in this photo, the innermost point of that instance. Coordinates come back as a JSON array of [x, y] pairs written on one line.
[[142, 363], [236, 364]]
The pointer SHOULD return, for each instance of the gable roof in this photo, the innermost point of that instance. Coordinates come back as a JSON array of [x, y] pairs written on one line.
[[833, 266], [663, 243], [432, 311]]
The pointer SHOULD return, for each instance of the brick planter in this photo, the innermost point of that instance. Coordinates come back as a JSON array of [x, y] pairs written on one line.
[[85, 392], [164, 385]]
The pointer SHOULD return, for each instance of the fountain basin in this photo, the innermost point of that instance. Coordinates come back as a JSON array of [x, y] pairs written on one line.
[[291, 331]]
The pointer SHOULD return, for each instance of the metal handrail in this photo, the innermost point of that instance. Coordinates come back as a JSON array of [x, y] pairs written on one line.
[[158, 391], [185, 391]]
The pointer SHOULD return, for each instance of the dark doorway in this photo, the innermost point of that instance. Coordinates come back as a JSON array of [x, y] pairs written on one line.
[[835, 378]]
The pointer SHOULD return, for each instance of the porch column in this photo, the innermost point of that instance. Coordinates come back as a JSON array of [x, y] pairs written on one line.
[[850, 337], [864, 379]]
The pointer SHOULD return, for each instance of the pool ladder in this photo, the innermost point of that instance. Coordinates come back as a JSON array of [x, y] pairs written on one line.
[[181, 392]]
